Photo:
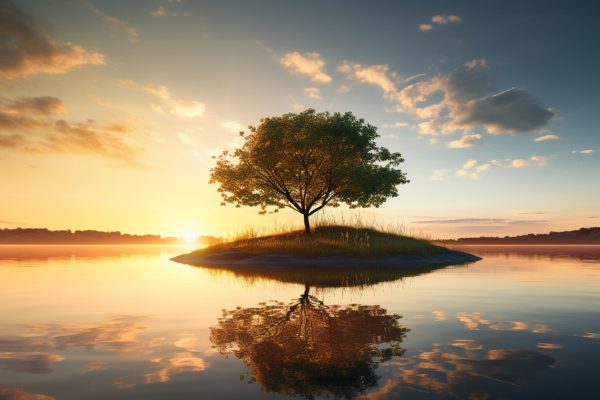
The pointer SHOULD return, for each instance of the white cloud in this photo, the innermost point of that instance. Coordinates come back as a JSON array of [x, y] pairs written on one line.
[[378, 75], [159, 12], [343, 89], [587, 151], [546, 138], [117, 24], [458, 102], [440, 19], [473, 168], [313, 93], [232, 126], [396, 125], [466, 141], [179, 107], [446, 19], [309, 64], [439, 174]]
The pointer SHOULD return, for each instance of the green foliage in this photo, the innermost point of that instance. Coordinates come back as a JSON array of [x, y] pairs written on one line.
[[307, 161]]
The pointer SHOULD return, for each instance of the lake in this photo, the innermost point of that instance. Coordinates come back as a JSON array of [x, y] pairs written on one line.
[[125, 322]]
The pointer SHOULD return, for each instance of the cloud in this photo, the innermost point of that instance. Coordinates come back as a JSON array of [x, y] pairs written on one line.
[[27, 50], [343, 89], [313, 93], [179, 363], [29, 125], [181, 108], [446, 19], [233, 126], [440, 20], [473, 168], [439, 174], [4, 222], [33, 363], [466, 141], [309, 64], [396, 125], [511, 111], [587, 151], [546, 138], [159, 12], [127, 83], [460, 101], [439, 315], [377, 75], [19, 394], [474, 321], [463, 221], [117, 24], [549, 346]]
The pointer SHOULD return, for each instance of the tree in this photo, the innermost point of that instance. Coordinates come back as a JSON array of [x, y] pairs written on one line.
[[307, 161]]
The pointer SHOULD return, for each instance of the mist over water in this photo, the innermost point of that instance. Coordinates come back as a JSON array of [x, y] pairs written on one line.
[[122, 322]]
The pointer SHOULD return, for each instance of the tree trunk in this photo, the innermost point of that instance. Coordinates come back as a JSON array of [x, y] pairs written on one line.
[[306, 224]]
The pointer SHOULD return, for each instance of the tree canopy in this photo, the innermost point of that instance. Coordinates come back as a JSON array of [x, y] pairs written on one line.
[[308, 161]]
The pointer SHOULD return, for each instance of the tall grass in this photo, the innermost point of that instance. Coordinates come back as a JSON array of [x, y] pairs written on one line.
[[330, 237]]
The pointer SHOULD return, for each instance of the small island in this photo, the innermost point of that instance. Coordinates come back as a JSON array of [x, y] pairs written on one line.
[[306, 162], [332, 246]]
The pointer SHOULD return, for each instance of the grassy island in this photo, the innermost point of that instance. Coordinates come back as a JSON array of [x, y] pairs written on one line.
[[330, 240], [329, 245]]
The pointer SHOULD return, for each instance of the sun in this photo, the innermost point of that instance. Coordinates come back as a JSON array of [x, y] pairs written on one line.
[[189, 237]]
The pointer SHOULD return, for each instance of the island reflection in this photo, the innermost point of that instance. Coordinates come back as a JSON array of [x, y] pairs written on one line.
[[306, 348]]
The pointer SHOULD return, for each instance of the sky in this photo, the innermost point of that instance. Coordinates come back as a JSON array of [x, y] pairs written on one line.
[[111, 111]]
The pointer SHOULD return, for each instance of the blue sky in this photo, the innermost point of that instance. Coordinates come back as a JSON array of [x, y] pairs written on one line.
[[492, 104]]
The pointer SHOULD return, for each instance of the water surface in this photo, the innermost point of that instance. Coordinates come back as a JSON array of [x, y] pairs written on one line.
[[123, 322]]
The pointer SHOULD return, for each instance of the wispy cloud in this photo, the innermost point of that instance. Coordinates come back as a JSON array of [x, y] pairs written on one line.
[[396, 125], [160, 11], [584, 152], [31, 125], [546, 138], [377, 75], [446, 19], [466, 141], [313, 93], [233, 126], [117, 24], [27, 50], [440, 19], [474, 168], [11, 223], [439, 174], [308, 64], [20, 394], [180, 107]]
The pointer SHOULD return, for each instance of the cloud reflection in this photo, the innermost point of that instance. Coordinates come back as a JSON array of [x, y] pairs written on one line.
[[474, 321], [463, 369]]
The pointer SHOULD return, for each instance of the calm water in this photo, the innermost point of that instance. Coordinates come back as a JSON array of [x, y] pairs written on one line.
[[124, 322]]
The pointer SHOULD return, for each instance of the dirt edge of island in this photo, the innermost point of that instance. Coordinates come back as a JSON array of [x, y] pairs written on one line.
[[232, 258]]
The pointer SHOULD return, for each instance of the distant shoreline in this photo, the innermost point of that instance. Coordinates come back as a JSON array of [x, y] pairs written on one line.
[[42, 236], [583, 236]]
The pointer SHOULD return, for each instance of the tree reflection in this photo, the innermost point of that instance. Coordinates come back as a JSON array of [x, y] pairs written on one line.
[[306, 348]]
